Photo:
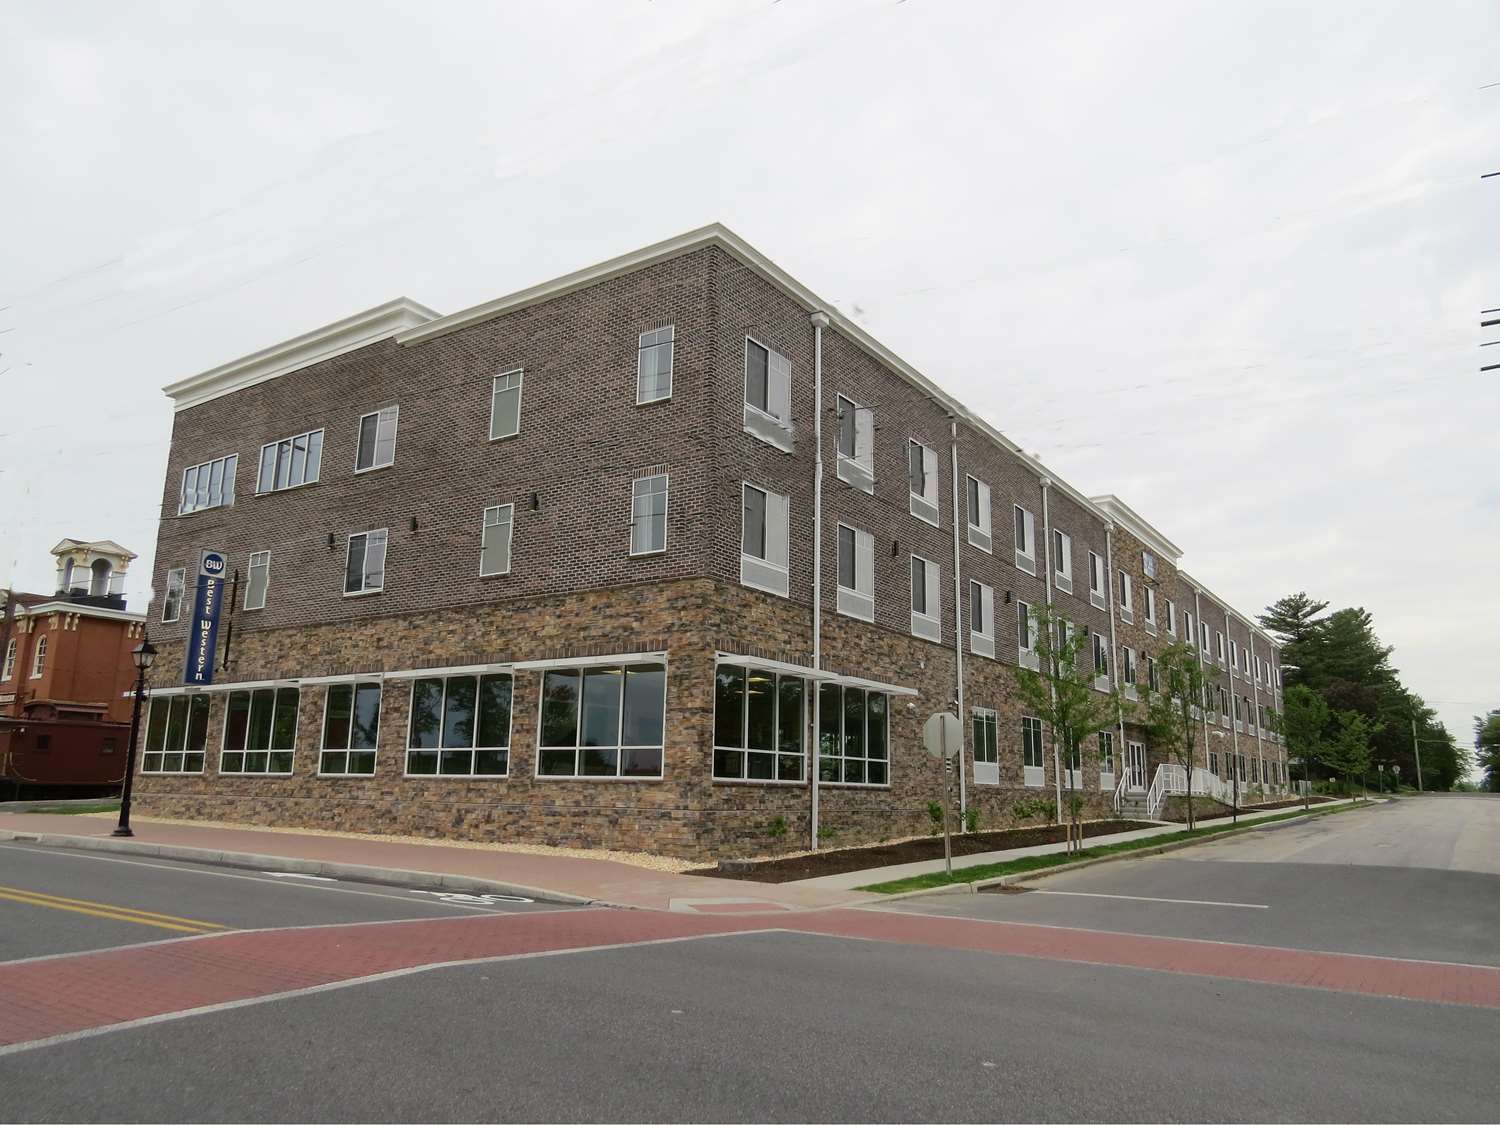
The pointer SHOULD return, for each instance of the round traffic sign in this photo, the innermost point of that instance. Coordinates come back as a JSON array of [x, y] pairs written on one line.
[[942, 736]]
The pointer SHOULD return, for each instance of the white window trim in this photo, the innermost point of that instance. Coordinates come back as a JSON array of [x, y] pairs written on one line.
[[520, 374], [1126, 587], [762, 424], [1098, 595], [780, 582], [1149, 617], [11, 649], [536, 765], [986, 773], [854, 602], [808, 687], [181, 597], [1025, 556], [379, 715], [395, 437], [39, 657], [510, 747], [982, 643], [928, 626], [1062, 575], [920, 502], [665, 515], [224, 734], [1026, 655], [250, 581], [982, 534], [183, 508], [856, 471], [640, 350], [274, 445], [1033, 777], [510, 547], [1171, 617], [348, 546]]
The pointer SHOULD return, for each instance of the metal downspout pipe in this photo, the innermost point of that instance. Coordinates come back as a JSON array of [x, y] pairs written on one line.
[[958, 630], [1234, 733], [1202, 664], [1260, 751], [1114, 651], [1057, 767], [820, 322]]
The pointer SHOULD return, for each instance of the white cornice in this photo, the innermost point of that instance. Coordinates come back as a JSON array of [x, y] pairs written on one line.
[[1233, 613], [80, 609], [1128, 518], [341, 336]]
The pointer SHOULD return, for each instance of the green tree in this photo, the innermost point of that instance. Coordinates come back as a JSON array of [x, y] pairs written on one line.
[[1347, 753], [1305, 719], [1061, 692], [1487, 748], [1171, 722]]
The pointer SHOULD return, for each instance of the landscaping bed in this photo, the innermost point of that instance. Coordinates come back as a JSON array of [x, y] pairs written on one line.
[[813, 864], [1179, 817]]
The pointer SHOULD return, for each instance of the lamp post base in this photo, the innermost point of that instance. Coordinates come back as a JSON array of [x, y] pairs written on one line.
[[122, 832]]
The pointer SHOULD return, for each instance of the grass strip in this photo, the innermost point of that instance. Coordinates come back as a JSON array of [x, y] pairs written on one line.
[[79, 810], [1061, 859]]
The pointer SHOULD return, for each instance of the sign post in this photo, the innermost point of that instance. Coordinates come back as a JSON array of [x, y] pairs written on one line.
[[203, 640], [942, 737]]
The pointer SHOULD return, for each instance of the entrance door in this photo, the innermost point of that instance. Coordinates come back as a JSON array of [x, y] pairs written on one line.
[[1135, 763]]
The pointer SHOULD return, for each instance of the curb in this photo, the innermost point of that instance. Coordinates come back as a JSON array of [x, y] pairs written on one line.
[[425, 880], [1011, 880]]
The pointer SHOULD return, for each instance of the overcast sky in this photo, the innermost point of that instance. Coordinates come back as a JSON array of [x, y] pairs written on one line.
[[1224, 260]]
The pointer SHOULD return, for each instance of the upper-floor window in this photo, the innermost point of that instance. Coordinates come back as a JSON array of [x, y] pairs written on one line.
[[1205, 631], [981, 619], [926, 599], [1097, 593], [176, 731], [377, 439], [1219, 645], [856, 460], [648, 514], [39, 658], [1153, 675], [260, 731], [768, 395], [460, 726], [986, 738], [1234, 655], [603, 722], [1171, 617], [856, 566], [759, 724], [1148, 564], [1101, 660], [1062, 560], [351, 729], [10, 660], [258, 580], [494, 540], [1128, 669], [171, 602], [209, 485], [653, 366], [290, 462], [1150, 609], [505, 405], [922, 481], [979, 514], [1127, 599], [763, 540], [1025, 540], [364, 563]]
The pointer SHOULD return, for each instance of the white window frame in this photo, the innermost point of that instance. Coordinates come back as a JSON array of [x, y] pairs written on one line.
[[772, 423], [857, 468], [646, 520], [1062, 560], [39, 657], [1127, 598], [11, 648], [1148, 564], [977, 496], [1034, 777], [1129, 674], [496, 390], [244, 749], [273, 449], [391, 414], [374, 751], [857, 601], [166, 601], [494, 517], [1171, 617], [262, 560], [654, 346], [1101, 649], [228, 466], [928, 623], [775, 754], [772, 571], [1026, 549], [1106, 738], [924, 504], [1234, 658], [1098, 581], [1026, 654], [982, 640], [1219, 648], [985, 720], [620, 745], [385, 541], [1150, 619], [407, 749]]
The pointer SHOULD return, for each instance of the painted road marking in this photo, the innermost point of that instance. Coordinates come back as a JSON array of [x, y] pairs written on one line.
[[461, 899], [110, 911], [1148, 898], [298, 875]]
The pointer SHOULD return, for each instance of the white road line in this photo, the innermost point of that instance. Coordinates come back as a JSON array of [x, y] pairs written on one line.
[[1148, 898]]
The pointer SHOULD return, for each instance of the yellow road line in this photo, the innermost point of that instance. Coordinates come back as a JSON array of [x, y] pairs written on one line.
[[110, 911]]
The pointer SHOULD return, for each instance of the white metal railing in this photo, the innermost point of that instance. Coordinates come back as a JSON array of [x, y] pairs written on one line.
[[1171, 780], [1120, 788], [1158, 791]]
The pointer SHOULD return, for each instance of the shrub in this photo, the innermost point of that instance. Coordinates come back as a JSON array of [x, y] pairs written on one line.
[[935, 813], [777, 828], [971, 818]]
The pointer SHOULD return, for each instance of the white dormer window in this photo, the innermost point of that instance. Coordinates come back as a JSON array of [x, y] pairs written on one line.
[[1062, 560], [926, 599], [1025, 530], [768, 395], [922, 476], [981, 619], [1098, 595], [856, 565], [980, 534], [856, 460], [763, 540], [1127, 600]]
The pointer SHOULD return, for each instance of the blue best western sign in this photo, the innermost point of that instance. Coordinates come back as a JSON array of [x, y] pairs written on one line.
[[203, 640]]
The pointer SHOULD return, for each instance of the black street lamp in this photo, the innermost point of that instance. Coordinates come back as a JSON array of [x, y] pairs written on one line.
[[143, 654]]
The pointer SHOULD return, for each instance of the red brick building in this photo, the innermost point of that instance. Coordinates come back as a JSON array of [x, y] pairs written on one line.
[[65, 674], [665, 554]]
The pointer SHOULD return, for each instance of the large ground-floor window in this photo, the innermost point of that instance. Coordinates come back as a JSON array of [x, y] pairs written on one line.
[[351, 728], [759, 720], [260, 731], [175, 732], [853, 735], [460, 726], [603, 722]]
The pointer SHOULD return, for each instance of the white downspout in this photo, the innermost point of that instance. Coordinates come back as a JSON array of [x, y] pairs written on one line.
[[1114, 652], [820, 322], [1234, 732], [958, 631], [1057, 780], [1260, 752], [1202, 665]]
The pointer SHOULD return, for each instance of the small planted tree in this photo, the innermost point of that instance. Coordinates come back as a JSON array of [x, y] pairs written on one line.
[[1304, 719], [1060, 691], [1171, 722], [1348, 752]]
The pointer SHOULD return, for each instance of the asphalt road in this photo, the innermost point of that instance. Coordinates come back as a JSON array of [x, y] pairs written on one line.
[[795, 1026], [55, 901]]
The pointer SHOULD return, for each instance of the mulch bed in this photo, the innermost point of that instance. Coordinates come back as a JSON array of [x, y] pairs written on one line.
[[1197, 816], [910, 851]]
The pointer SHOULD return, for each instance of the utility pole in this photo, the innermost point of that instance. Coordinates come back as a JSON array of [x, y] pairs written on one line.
[[1416, 747]]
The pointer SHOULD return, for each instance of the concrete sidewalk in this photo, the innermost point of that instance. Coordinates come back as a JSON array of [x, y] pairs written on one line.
[[848, 880], [558, 878]]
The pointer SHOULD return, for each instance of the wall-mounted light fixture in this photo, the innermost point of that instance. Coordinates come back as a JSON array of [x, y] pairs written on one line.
[[535, 502], [414, 523], [330, 540]]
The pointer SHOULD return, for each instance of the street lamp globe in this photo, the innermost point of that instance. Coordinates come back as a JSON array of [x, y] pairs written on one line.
[[143, 654]]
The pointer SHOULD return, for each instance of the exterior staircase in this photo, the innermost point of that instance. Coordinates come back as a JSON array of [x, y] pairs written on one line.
[[1133, 806]]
